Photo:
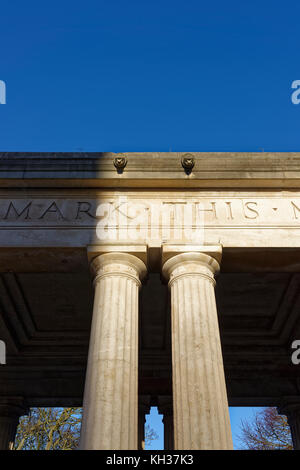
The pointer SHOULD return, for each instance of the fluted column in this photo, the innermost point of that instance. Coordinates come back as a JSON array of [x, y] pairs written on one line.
[[110, 407], [291, 409], [11, 409], [201, 415]]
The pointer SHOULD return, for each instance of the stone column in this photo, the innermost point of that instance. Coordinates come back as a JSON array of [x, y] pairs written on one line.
[[165, 407], [291, 409], [110, 406], [144, 408], [201, 415], [11, 408]]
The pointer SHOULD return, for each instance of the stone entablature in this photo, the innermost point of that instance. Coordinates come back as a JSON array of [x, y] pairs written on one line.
[[234, 219]]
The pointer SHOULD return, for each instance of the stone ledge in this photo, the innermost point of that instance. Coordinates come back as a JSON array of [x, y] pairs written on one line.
[[153, 170]]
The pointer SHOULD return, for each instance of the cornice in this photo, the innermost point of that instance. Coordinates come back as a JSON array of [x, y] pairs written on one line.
[[150, 169]]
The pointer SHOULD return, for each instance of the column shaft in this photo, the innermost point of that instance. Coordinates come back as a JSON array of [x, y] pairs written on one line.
[[294, 422], [110, 409], [165, 407], [11, 408], [141, 430], [8, 428], [168, 432], [201, 415], [290, 407], [144, 408]]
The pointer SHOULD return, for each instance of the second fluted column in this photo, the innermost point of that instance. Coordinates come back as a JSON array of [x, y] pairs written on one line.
[[201, 415], [110, 407]]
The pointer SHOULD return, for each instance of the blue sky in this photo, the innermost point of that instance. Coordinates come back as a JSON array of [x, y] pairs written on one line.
[[124, 75], [149, 75], [237, 414]]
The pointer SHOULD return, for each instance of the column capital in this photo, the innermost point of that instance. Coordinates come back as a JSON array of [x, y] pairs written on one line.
[[171, 250], [135, 249], [203, 261], [120, 264]]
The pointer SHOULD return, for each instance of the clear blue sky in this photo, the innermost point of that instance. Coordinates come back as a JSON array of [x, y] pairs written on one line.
[[150, 76], [138, 75]]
